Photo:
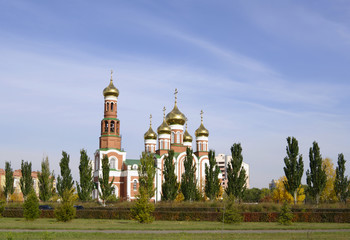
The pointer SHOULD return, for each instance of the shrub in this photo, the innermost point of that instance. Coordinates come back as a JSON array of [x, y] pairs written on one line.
[[66, 211], [112, 199], [31, 207], [231, 214], [2, 207], [285, 217], [143, 209]]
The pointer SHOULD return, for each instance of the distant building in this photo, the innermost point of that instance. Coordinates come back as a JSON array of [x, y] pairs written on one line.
[[273, 184], [222, 160]]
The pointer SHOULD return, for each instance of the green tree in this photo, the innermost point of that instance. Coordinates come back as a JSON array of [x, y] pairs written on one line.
[[66, 210], [341, 183], [188, 180], [170, 185], [252, 195], [143, 208], [86, 181], [106, 187], [236, 174], [65, 181], [294, 168], [31, 206], [285, 216], [8, 189], [316, 177], [212, 183], [26, 180], [45, 178], [147, 172]]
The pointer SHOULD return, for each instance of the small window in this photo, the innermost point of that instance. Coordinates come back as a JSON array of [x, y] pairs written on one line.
[[172, 137], [135, 185], [107, 106], [112, 126], [178, 137], [112, 106], [106, 126], [112, 163]]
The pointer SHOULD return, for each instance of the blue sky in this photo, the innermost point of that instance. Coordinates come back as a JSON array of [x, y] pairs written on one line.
[[260, 70]]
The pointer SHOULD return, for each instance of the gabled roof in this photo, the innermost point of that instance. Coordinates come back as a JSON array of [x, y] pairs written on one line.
[[132, 161]]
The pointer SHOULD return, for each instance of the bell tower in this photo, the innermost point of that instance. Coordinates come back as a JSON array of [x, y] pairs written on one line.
[[110, 124]]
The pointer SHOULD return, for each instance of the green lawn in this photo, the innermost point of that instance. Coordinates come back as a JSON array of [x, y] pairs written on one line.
[[176, 236], [104, 224]]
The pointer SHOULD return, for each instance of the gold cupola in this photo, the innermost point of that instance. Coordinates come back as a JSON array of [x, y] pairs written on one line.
[[164, 127], [175, 116], [111, 90], [187, 136], [150, 134], [202, 131]]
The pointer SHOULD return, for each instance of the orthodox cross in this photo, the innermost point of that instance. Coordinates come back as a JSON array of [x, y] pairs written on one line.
[[164, 112], [111, 74], [176, 92], [202, 116], [150, 120]]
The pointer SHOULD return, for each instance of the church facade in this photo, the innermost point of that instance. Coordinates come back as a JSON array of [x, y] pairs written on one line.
[[171, 134]]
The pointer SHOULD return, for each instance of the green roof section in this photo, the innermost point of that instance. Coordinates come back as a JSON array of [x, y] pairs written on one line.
[[132, 161]]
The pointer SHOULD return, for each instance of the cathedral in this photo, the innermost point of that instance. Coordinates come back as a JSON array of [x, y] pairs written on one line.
[[171, 134]]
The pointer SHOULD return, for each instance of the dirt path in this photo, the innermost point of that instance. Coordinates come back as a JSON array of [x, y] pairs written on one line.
[[176, 231]]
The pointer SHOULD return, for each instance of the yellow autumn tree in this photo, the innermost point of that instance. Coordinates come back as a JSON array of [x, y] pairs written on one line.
[[328, 194], [280, 194]]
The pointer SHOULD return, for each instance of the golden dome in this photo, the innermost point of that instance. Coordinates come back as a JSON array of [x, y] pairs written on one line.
[[202, 131], [187, 137], [111, 90], [175, 116], [164, 127], [150, 134]]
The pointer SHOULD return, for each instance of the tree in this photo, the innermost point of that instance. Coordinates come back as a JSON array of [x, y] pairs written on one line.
[[328, 194], [105, 186], [31, 206], [65, 181], [212, 182], [188, 180], [26, 180], [236, 174], [316, 177], [294, 168], [45, 178], [147, 172], [285, 216], [143, 209], [341, 183], [170, 185], [8, 189], [252, 195], [86, 181], [280, 194], [66, 210]]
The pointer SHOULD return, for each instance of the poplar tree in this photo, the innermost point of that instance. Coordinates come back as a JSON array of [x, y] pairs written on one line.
[[341, 183], [65, 181], [188, 180], [8, 188], [170, 185], [236, 174], [86, 185], [294, 168], [316, 177], [105, 186], [45, 178], [147, 172], [26, 180], [212, 183]]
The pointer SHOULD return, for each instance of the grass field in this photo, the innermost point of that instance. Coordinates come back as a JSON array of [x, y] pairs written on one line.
[[96, 224]]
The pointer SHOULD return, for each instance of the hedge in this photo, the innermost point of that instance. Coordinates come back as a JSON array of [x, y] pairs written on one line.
[[197, 214]]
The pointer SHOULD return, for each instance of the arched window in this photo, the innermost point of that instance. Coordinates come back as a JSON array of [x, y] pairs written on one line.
[[178, 137], [112, 126], [106, 126], [204, 146], [112, 163], [96, 164], [172, 137], [161, 144], [112, 106], [135, 185], [199, 146], [107, 106]]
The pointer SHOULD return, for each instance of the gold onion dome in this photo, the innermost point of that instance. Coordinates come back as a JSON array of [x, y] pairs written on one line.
[[164, 127], [175, 116], [187, 136], [202, 131], [111, 90], [150, 134]]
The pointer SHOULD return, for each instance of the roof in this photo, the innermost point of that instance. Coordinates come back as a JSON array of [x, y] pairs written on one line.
[[132, 161]]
